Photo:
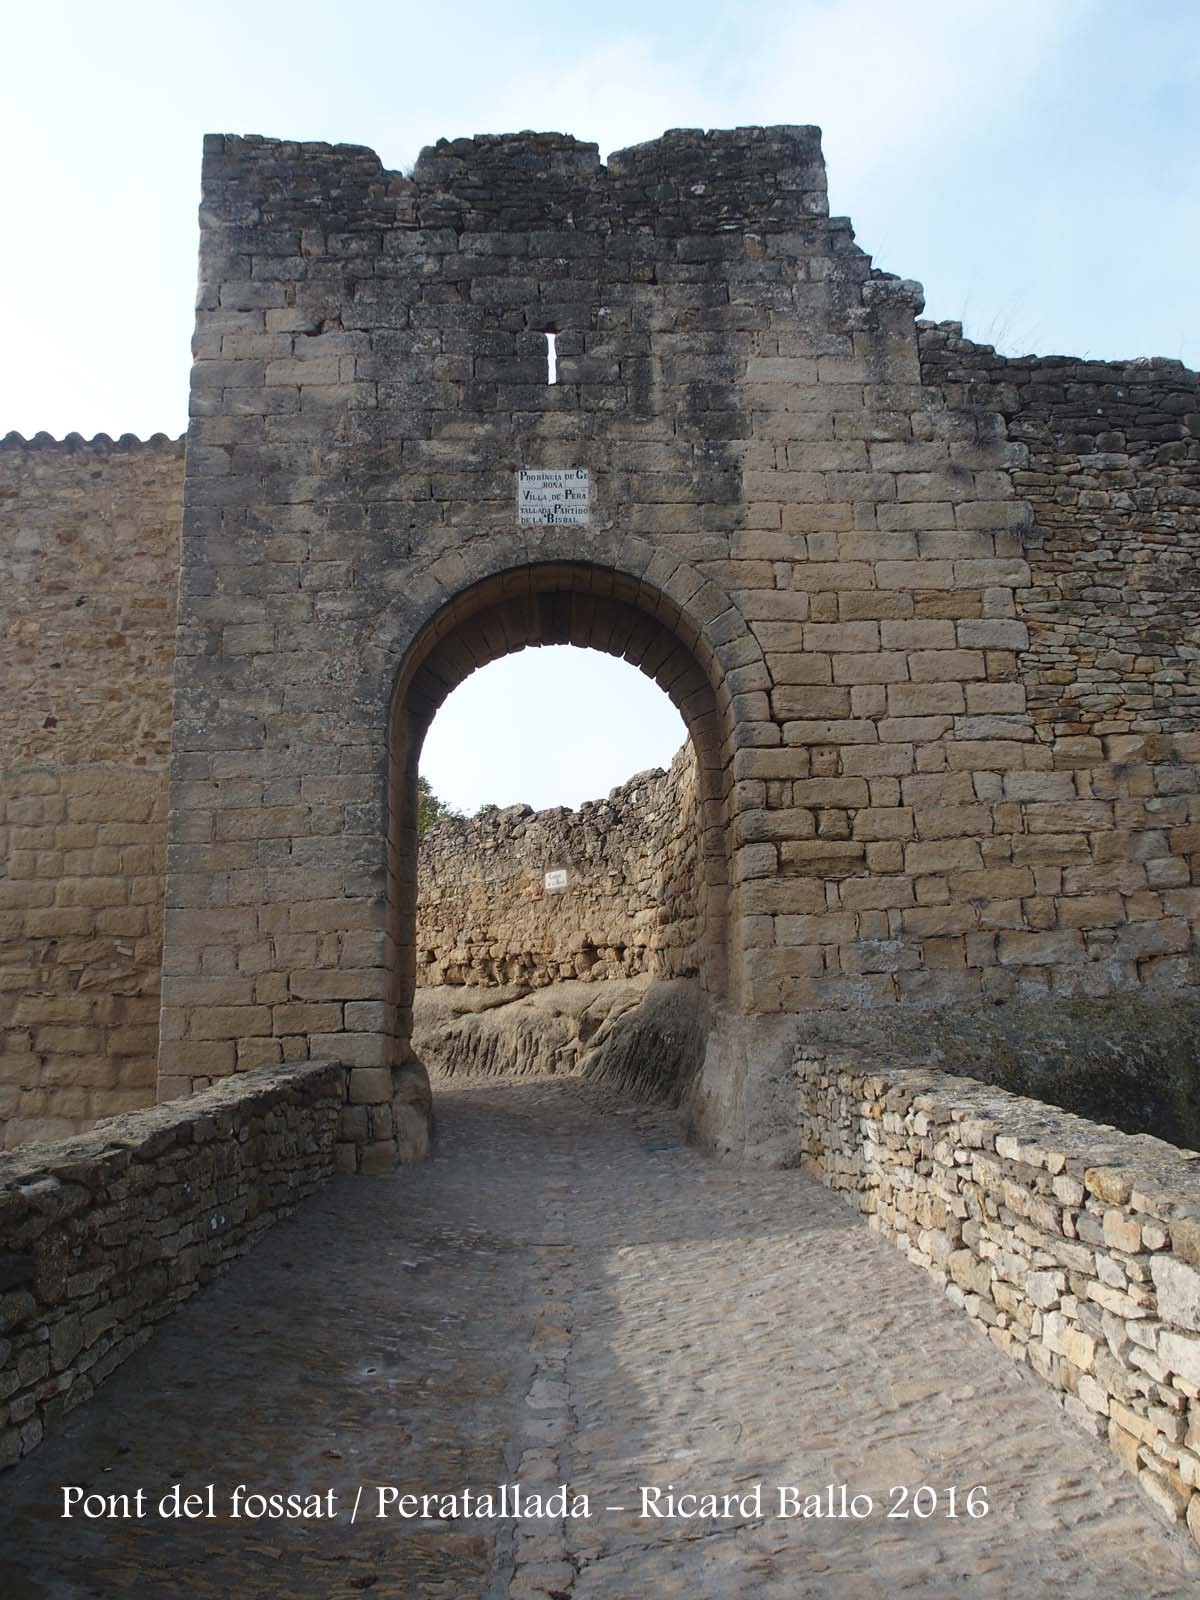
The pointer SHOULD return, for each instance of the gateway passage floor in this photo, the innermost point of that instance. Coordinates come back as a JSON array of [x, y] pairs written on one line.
[[567, 1294]]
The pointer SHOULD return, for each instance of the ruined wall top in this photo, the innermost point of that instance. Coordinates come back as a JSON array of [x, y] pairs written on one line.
[[688, 180]]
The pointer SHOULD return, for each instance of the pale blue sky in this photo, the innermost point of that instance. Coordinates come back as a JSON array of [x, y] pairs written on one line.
[[1032, 162]]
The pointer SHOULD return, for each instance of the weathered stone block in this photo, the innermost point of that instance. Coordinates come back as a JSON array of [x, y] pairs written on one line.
[[1178, 1289], [370, 1085]]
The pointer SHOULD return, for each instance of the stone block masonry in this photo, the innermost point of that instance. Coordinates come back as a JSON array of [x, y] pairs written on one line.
[[1076, 1248], [484, 916], [88, 578], [1113, 480], [103, 1235], [927, 614], [815, 532]]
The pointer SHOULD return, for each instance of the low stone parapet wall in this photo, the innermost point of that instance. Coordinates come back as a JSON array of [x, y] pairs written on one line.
[[1076, 1247], [104, 1234]]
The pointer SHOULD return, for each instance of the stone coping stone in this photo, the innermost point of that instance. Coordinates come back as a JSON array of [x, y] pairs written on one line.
[[83, 1158], [1159, 1178]]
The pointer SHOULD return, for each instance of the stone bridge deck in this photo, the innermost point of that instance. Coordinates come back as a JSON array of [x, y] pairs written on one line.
[[567, 1294]]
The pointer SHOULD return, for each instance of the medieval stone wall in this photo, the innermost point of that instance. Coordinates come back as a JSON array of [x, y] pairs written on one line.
[[927, 612], [768, 477], [484, 915], [88, 575], [1113, 480]]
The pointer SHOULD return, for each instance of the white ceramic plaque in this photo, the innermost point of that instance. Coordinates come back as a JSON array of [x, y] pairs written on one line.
[[549, 496], [556, 880]]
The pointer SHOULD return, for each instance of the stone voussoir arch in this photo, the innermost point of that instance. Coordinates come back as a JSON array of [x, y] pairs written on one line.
[[709, 618], [626, 598]]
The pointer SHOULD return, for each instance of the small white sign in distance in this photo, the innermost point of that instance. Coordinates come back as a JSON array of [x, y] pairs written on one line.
[[556, 880], [553, 496]]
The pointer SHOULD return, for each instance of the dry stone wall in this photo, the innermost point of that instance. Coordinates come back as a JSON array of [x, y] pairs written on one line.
[[103, 1235], [485, 916], [1075, 1247], [89, 553]]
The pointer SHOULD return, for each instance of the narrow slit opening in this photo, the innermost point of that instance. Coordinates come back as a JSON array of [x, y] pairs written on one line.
[[551, 358]]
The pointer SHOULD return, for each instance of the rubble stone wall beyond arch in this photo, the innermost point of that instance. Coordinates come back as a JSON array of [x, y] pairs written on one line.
[[629, 907]]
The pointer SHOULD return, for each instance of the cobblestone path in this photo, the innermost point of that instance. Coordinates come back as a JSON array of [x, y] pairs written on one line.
[[567, 1294]]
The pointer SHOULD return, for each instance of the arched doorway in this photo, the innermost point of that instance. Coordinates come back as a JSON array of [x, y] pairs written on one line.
[[557, 603]]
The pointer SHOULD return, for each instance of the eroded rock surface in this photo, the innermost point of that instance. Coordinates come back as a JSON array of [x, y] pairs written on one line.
[[638, 1035]]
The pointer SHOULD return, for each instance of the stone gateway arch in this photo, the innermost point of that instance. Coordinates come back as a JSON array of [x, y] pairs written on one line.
[[833, 533], [931, 616]]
